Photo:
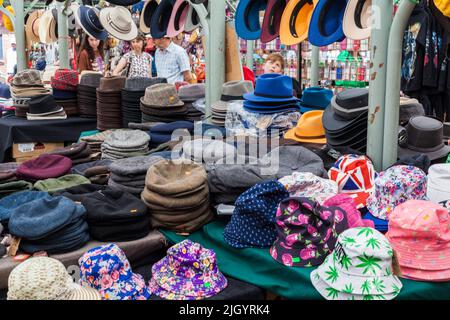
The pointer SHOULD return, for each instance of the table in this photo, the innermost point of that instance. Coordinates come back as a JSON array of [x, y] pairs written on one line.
[[20, 130]]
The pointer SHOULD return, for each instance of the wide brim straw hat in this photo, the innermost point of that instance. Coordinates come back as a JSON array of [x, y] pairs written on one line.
[[119, 23]]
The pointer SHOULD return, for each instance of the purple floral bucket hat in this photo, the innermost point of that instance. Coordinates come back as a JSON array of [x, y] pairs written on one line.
[[394, 186], [188, 272], [307, 232], [108, 270]]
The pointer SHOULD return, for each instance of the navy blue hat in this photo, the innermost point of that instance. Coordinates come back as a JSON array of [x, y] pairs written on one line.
[[272, 87], [326, 26], [90, 23], [380, 224], [168, 128], [161, 18], [41, 64], [315, 98], [5, 92], [248, 26], [253, 220], [271, 109], [64, 95], [10, 203]]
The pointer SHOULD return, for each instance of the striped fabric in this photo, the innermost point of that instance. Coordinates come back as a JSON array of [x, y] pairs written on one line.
[[171, 63]]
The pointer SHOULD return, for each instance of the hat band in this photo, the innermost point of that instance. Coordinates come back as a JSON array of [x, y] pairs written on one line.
[[92, 25], [339, 108], [115, 27], [309, 137], [358, 12], [227, 98], [294, 16], [271, 96]]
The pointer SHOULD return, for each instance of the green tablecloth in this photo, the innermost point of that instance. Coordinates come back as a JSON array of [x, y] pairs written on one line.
[[257, 267]]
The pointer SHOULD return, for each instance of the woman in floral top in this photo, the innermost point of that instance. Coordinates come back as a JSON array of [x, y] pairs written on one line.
[[137, 62]]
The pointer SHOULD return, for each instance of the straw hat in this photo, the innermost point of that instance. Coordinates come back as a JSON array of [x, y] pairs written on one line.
[[47, 28], [119, 23], [32, 26]]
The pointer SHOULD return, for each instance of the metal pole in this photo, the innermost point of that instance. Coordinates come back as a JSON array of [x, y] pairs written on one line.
[[394, 62], [315, 57], [250, 52], [63, 32], [381, 24], [299, 64], [19, 31]]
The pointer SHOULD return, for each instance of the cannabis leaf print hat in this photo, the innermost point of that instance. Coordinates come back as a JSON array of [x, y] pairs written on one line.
[[360, 268]]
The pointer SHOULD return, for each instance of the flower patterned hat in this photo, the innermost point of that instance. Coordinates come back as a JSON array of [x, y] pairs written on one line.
[[419, 231], [307, 232], [188, 272], [395, 186], [106, 269], [360, 268]]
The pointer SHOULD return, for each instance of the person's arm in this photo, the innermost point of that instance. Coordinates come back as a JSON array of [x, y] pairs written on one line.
[[83, 63], [122, 63], [185, 66], [187, 76]]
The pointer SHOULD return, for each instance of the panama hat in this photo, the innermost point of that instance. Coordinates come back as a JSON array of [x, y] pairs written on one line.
[[272, 17], [248, 26], [32, 26], [119, 23], [46, 32], [160, 19], [178, 18], [196, 14], [326, 23], [441, 10], [295, 21], [356, 24], [147, 14], [87, 18]]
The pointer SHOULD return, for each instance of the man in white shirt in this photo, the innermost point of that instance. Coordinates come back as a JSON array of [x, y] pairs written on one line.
[[11, 59], [172, 61]]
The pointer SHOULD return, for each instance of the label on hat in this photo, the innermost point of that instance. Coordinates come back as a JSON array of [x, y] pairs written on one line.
[[26, 147], [14, 247]]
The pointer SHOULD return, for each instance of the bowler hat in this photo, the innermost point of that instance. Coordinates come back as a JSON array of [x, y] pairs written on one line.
[[272, 18], [178, 18], [147, 13], [326, 23], [248, 26], [295, 21], [160, 19]]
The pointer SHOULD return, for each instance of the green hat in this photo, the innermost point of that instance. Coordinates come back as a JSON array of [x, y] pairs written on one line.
[[64, 182]]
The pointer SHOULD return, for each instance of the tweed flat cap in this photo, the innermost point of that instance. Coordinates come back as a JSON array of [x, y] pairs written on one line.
[[127, 139], [71, 150], [133, 166], [80, 192], [9, 203], [43, 167], [64, 182], [28, 77], [142, 83], [208, 150], [162, 94], [188, 201]]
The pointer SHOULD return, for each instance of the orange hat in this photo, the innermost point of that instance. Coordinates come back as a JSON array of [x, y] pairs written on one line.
[[309, 128], [443, 6], [294, 24], [7, 21]]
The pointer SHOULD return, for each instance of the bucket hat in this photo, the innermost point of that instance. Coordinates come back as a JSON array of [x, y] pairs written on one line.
[[197, 13], [355, 176], [441, 12], [438, 187], [425, 136], [44, 278], [272, 87], [360, 268], [315, 98], [326, 22], [147, 12], [32, 26], [88, 18], [248, 26], [65, 79], [161, 95], [270, 29], [107, 269], [160, 19], [295, 21], [309, 128], [119, 23], [188, 272], [253, 220], [346, 202], [307, 232], [44, 167], [178, 18], [357, 19], [394, 186], [419, 234]]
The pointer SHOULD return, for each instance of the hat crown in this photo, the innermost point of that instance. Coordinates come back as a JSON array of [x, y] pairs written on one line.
[[192, 91], [162, 94], [91, 79], [274, 85], [310, 125], [316, 97], [190, 256], [120, 17], [424, 133], [115, 83], [237, 88], [353, 98], [142, 83]]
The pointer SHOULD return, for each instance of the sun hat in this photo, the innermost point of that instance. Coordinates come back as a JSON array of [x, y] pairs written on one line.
[[307, 232], [346, 202], [147, 12], [119, 23], [160, 19], [309, 128], [188, 272], [357, 19], [272, 87], [32, 26], [44, 278], [295, 21], [88, 18], [395, 186], [438, 186], [315, 98], [360, 268], [44, 167], [248, 26], [197, 13], [420, 235], [253, 220], [178, 18], [162, 95], [441, 12], [270, 29], [326, 22]]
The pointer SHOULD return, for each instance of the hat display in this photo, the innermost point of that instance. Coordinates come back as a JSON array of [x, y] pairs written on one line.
[[9, 203], [109, 102], [307, 232], [44, 107], [178, 18], [44, 167], [32, 26], [55, 184], [357, 19], [295, 21], [395, 186], [253, 220], [419, 234], [425, 136], [147, 12], [107, 269], [326, 23], [360, 268], [197, 12], [44, 278], [87, 94], [119, 23], [88, 18], [248, 25], [309, 129], [125, 143], [441, 12], [346, 203], [160, 19], [270, 29], [438, 187], [315, 98], [188, 272]]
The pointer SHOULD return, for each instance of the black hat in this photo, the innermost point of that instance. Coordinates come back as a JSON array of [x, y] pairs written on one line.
[[161, 18], [420, 161], [349, 104], [80, 192], [43, 105]]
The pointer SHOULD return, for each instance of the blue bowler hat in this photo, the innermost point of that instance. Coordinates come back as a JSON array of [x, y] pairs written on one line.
[[326, 27], [248, 26], [315, 98], [272, 87]]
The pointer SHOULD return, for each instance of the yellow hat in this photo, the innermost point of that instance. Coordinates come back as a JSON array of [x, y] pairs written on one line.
[[294, 24], [443, 6], [309, 128], [7, 21]]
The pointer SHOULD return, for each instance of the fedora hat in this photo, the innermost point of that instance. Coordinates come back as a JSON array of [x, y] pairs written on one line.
[[326, 23], [178, 18], [160, 19], [356, 23], [45, 26], [146, 15], [32, 26], [309, 128], [441, 10], [87, 18], [163, 95], [111, 84], [295, 21], [196, 13], [248, 26], [119, 23], [272, 18], [272, 87]]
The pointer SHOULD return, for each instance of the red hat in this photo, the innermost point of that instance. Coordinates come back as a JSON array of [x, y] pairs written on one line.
[[65, 79], [43, 167]]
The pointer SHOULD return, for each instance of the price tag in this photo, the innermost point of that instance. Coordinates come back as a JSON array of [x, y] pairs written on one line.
[[26, 147]]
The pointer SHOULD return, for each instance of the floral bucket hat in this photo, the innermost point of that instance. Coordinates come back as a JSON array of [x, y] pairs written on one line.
[[395, 186], [188, 272], [307, 232], [107, 269], [360, 268]]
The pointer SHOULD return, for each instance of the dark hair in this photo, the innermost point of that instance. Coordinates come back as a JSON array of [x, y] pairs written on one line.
[[86, 46], [140, 38]]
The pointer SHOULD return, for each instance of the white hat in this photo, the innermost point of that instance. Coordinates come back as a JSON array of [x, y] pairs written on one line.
[[438, 186], [119, 23], [47, 26], [356, 22], [195, 15]]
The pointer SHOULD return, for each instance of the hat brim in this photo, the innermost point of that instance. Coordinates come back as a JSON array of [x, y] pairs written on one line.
[[248, 26], [440, 17], [196, 16], [270, 29], [349, 26], [80, 13], [294, 24], [425, 275], [252, 97], [291, 136], [84, 293], [326, 23], [147, 13], [132, 34], [433, 155], [178, 18], [334, 123], [160, 19]]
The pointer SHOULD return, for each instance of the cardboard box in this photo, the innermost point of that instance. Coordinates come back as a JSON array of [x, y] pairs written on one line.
[[26, 151]]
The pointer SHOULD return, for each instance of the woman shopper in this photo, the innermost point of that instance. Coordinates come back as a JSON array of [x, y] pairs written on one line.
[[91, 56], [137, 62]]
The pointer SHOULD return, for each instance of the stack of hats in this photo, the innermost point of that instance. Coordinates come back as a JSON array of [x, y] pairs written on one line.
[[253, 220], [208, 151], [44, 107], [64, 84], [420, 236], [273, 94], [129, 174], [8, 171], [87, 94], [231, 91], [161, 103], [13, 185], [132, 93], [96, 171], [109, 103], [125, 143], [315, 98], [361, 268], [162, 133], [46, 223], [188, 272], [438, 186], [307, 232], [189, 94], [44, 167], [53, 185], [309, 129], [78, 152], [177, 194], [345, 119], [95, 140]]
